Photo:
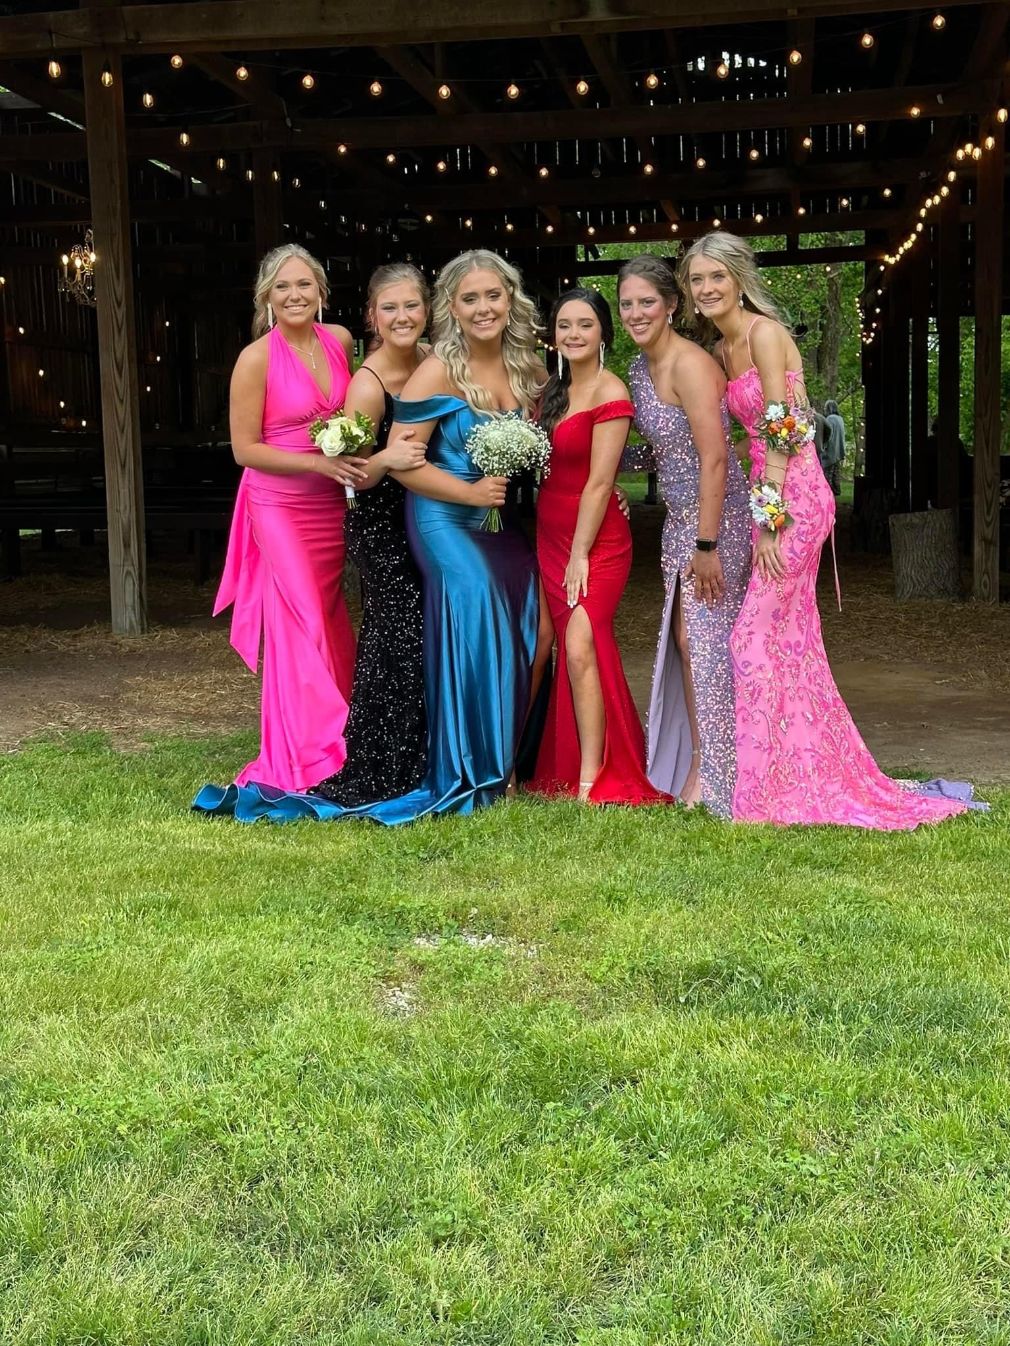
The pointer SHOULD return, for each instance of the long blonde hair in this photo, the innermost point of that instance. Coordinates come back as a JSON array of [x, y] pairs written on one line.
[[526, 374], [737, 256], [266, 278]]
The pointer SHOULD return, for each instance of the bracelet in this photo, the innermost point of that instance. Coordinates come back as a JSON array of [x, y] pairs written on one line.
[[706, 543], [767, 508]]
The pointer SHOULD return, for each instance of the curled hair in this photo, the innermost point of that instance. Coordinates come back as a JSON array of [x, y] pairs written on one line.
[[737, 257], [519, 339], [555, 400], [659, 272], [266, 278], [394, 273]]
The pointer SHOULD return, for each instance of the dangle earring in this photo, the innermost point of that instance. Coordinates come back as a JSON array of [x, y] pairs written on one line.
[[603, 351], [319, 312], [669, 320], [741, 299], [270, 315], [561, 365]]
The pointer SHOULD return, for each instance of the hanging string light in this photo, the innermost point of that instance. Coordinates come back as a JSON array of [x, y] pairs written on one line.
[[512, 91], [939, 23], [55, 69], [308, 81], [242, 72], [651, 80], [582, 88], [722, 70], [375, 89], [444, 92], [176, 62], [795, 57], [441, 166], [106, 76], [867, 40], [147, 100]]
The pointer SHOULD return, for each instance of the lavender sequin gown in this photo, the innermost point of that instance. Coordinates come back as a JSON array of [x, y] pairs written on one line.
[[675, 460]]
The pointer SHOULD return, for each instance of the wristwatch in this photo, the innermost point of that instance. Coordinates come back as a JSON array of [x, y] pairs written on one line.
[[706, 543]]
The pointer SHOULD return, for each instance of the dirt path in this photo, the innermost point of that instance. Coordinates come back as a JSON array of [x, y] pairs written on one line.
[[928, 684]]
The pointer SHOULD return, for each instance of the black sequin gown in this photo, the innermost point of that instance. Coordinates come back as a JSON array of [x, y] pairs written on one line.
[[387, 732]]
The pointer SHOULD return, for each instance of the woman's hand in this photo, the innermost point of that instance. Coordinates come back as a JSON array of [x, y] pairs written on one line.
[[348, 471], [622, 501], [577, 578], [768, 560], [489, 492], [402, 454], [705, 569]]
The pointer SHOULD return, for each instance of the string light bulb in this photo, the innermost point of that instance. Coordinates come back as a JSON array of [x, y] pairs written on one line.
[[860, 128], [176, 61], [759, 218], [242, 72], [221, 164], [754, 154], [808, 142], [308, 81], [441, 166], [652, 80], [375, 89], [915, 110], [795, 56], [250, 175], [106, 76], [945, 190], [184, 139], [509, 226], [549, 229], [468, 223], [722, 70], [147, 100], [543, 171], [990, 142], [341, 149], [275, 175], [582, 88], [1001, 115], [632, 229], [977, 152], [648, 170], [444, 92], [939, 22], [867, 41], [674, 227], [428, 219], [591, 231], [951, 176], [296, 183], [512, 91], [699, 162], [801, 210], [55, 69], [390, 158], [716, 222], [492, 170]]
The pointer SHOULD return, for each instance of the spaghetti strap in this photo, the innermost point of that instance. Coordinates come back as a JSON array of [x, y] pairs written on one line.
[[756, 319], [374, 376]]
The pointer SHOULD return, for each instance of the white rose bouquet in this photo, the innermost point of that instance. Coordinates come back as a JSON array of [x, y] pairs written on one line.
[[342, 435], [505, 447]]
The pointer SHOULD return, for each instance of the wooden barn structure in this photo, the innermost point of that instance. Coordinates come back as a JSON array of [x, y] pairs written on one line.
[[192, 135]]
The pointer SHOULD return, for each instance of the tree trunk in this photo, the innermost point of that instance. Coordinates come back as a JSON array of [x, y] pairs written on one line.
[[924, 552], [829, 346]]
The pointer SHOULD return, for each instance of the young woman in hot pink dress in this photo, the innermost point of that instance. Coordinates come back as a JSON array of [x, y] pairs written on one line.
[[286, 551], [800, 758]]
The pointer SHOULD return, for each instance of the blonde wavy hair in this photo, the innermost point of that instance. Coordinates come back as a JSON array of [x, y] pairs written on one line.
[[526, 374], [266, 278], [737, 256]]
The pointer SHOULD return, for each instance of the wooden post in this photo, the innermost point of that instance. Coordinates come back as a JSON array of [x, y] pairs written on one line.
[[988, 293], [117, 341], [921, 475], [948, 321], [267, 221]]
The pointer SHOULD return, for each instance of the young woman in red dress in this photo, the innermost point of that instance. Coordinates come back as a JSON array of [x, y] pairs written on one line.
[[593, 745]]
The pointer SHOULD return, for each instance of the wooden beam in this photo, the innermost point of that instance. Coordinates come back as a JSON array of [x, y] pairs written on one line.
[[117, 342], [988, 294], [921, 491], [948, 298], [859, 252], [253, 90], [941, 101], [251, 25], [268, 226]]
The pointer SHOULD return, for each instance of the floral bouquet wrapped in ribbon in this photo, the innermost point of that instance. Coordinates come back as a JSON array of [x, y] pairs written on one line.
[[786, 429], [505, 447], [342, 435], [767, 508]]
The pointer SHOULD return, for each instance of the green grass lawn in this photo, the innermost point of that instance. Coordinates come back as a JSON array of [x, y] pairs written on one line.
[[275, 1086]]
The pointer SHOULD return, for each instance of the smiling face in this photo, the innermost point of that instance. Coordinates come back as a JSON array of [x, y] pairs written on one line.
[[713, 289], [577, 332], [644, 312], [481, 306], [294, 295], [398, 316]]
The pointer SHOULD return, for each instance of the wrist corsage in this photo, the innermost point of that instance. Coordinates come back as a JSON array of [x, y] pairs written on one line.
[[767, 508], [786, 429]]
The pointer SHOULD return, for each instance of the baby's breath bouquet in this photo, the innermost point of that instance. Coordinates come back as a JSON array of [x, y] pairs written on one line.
[[786, 429], [505, 447], [343, 435]]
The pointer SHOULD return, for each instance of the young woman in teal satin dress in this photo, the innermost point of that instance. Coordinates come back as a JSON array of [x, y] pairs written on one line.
[[480, 589]]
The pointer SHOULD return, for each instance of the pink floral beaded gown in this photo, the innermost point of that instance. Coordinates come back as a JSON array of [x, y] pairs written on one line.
[[283, 574], [800, 757]]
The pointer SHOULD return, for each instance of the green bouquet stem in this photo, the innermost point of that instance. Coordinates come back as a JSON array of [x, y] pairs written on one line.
[[492, 520]]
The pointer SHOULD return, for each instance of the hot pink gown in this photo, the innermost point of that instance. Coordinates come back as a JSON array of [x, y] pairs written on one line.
[[800, 757], [283, 576]]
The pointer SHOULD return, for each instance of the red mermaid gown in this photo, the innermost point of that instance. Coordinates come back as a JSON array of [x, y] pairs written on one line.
[[622, 778]]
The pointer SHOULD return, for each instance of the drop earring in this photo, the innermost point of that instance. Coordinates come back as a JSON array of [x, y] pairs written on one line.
[[319, 311], [741, 299], [669, 320], [270, 315], [697, 312], [603, 351], [561, 365]]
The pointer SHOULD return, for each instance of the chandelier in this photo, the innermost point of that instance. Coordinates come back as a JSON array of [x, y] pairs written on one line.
[[78, 279]]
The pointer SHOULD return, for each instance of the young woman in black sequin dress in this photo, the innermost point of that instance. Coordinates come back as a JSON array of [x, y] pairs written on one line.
[[386, 730]]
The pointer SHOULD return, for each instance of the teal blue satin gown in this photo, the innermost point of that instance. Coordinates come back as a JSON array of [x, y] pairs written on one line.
[[481, 613]]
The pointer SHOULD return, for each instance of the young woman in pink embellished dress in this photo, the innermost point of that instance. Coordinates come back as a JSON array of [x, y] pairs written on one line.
[[800, 758], [282, 574]]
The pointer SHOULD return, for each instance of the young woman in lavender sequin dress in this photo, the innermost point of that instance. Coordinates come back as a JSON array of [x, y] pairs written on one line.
[[800, 758], [680, 410]]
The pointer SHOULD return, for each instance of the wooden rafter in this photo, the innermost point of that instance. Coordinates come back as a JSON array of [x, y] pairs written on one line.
[[253, 24]]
